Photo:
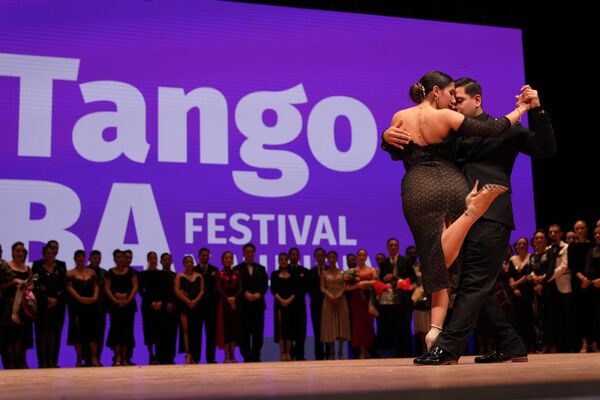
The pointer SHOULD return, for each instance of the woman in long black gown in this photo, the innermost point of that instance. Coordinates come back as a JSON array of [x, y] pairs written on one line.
[[17, 327], [82, 286], [519, 270], [189, 288], [284, 286], [433, 188], [592, 273], [121, 286]]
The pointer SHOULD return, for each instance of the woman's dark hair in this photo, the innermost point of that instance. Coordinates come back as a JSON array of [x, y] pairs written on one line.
[[150, 253], [419, 91], [332, 252], [17, 244], [78, 253], [225, 253], [186, 257]]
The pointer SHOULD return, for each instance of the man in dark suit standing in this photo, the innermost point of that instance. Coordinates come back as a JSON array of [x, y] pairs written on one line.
[[316, 300], [58, 316], [209, 302], [489, 160], [393, 268], [254, 287], [299, 304], [168, 334]]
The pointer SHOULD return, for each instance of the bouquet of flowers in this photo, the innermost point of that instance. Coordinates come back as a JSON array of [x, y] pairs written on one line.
[[402, 284], [350, 277]]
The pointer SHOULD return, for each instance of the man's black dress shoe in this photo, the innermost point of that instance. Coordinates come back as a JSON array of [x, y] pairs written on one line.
[[496, 356], [436, 356]]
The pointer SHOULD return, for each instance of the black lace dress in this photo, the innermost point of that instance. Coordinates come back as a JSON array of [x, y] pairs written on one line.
[[434, 191]]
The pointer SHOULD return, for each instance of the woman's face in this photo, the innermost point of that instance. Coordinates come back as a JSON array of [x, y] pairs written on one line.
[[362, 257], [581, 231], [332, 260], [446, 97], [80, 260], [188, 263], [18, 254], [228, 260], [152, 260], [522, 245], [283, 261], [597, 235], [539, 241]]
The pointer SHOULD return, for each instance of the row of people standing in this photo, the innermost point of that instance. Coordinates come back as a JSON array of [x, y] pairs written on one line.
[[200, 297], [555, 291]]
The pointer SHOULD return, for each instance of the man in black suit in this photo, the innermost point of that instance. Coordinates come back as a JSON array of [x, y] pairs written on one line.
[[58, 315], [209, 302], [489, 160], [393, 268], [316, 301], [95, 259], [254, 287], [299, 304], [168, 334]]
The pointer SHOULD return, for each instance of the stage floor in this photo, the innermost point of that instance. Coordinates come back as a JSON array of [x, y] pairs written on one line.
[[553, 376]]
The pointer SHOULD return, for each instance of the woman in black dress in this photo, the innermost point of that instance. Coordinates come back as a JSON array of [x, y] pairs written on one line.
[[17, 326], [51, 296], [153, 290], [121, 286], [284, 286], [229, 286], [583, 300], [520, 283], [189, 289], [82, 286], [539, 266], [434, 189], [592, 272]]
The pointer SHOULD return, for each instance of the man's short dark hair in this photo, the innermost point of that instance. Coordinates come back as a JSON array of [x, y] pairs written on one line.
[[95, 253], [472, 87], [251, 245]]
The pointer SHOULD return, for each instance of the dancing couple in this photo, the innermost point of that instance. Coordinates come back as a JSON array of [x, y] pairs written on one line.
[[461, 235]]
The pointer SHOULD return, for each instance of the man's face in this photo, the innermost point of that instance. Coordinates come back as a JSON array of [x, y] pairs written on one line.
[[166, 261], [320, 257], [392, 247], [351, 260], [465, 104], [95, 260], [412, 253], [53, 246], [555, 234], [294, 257], [249, 254], [204, 256]]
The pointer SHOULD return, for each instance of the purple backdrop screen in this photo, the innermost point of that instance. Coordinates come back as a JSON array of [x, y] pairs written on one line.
[[173, 125]]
